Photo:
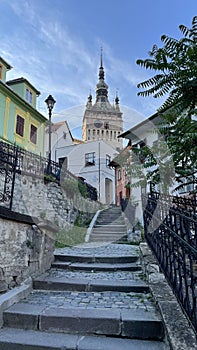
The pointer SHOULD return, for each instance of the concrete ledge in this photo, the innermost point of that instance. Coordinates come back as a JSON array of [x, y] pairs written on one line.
[[179, 332], [14, 296]]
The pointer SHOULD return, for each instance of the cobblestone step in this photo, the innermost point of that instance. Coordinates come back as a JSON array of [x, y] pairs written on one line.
[[18, 339], [95, 300], [46, 282], [122, 322], [110, 228], [96, 258], [105, 237], [95, 266]]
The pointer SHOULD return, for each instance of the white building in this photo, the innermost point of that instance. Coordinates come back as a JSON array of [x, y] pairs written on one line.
[[60, 137], [144, 133], [90, 160]]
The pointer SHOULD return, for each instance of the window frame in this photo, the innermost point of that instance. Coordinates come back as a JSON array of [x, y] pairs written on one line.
[[90, 158], [119, 174], [20, 125], [29, 96], [33, 134], [107, 160]]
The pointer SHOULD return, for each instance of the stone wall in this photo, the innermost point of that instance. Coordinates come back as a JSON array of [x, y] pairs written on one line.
[[25, 250], [49, 201], [27, 233]]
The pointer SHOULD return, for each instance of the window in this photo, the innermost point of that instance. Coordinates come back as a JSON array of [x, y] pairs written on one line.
[[119, 175], [20, 123], [90, 159], [33, 134], [63, 162], [108, 160], [106, 125], [28, 96], [1, 70]]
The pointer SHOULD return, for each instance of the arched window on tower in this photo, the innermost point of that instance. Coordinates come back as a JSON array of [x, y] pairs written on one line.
[[106, 125]]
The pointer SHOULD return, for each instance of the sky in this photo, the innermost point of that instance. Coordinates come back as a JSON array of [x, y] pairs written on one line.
[[55, 44]]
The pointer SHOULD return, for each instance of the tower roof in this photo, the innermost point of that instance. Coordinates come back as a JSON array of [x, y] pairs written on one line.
[[101, 87]]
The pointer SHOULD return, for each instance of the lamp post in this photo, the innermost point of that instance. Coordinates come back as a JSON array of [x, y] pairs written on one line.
[[50, 104]]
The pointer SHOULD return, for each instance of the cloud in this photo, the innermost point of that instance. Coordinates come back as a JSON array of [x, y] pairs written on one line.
[[58, 61]]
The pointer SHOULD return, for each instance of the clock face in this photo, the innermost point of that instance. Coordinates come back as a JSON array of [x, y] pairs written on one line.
[[98, 123]]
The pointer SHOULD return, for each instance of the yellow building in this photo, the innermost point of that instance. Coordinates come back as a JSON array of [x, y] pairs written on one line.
[[20, 121]]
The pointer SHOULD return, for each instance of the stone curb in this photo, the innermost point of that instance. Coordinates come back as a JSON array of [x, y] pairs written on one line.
[[179, 332], [90, 228], [14, 296]]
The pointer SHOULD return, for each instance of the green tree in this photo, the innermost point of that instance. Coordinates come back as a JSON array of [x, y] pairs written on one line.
[[175, 65]]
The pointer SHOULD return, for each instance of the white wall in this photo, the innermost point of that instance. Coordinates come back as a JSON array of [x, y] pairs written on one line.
[[60, 137], [96, 174]]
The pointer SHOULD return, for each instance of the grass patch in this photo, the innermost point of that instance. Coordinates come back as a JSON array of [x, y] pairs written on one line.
[[69, 238]]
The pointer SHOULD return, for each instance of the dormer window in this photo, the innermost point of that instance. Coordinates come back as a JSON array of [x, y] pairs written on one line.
[[29, 96]]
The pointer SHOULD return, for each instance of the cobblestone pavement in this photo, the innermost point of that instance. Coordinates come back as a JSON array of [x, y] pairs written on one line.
[[91, 300], [105, 276], [101, 250]]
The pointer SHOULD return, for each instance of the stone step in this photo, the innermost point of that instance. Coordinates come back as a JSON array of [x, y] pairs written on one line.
[[46, 282], [95, 266], [135, 323], [110, 228], [96, 258], [110, 222], [105, 237], [18, 339]]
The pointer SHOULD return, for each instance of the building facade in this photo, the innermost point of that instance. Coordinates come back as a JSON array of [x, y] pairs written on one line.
[[90, 161], [20, 122], [102, 120], [122, 165]]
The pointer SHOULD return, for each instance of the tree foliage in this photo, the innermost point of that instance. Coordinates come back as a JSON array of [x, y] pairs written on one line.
[[175, 64]]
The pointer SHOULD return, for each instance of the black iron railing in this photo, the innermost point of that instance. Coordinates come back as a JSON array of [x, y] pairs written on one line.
[[170, 225], [14, 159]]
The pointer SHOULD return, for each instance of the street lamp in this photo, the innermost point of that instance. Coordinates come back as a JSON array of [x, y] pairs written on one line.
[[50, 104]]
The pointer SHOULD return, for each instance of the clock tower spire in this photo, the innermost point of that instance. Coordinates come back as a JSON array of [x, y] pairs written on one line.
[[102, 121]]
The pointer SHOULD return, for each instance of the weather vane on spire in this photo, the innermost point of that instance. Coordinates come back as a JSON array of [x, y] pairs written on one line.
[[101, 56]]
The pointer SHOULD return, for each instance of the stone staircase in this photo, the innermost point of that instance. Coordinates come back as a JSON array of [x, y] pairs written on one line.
[[109, 227], [91, 299]]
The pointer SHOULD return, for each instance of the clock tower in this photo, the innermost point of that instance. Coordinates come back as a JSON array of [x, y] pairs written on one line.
[[102, 121]]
